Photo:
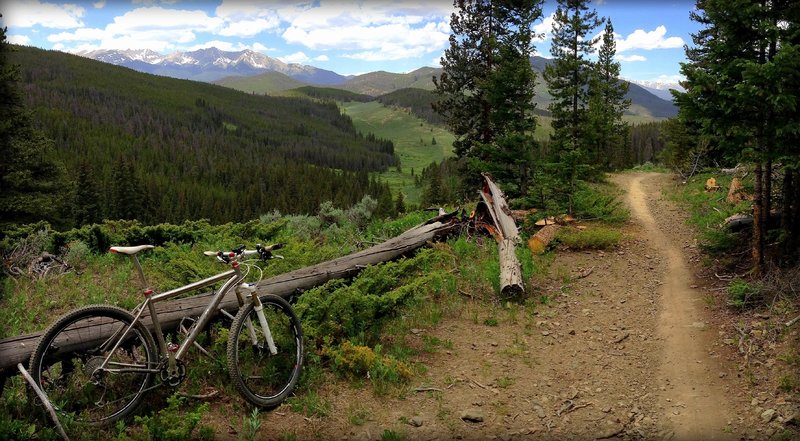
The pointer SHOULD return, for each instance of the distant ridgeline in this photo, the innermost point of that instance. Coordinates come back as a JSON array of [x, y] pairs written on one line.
[[191, 150]]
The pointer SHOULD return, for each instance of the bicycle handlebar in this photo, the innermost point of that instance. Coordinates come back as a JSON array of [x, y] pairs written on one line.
[[264, 252]]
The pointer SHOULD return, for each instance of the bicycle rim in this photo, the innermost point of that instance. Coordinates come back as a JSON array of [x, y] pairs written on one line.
[[263, 378], [67, 364]]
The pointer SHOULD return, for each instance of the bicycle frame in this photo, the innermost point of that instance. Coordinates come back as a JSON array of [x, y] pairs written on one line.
[[232, 279]]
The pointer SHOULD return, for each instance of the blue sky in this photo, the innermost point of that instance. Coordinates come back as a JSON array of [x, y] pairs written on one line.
[[348, 37]]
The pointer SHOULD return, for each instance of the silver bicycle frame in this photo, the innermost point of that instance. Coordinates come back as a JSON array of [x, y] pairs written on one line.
[[232, 277]]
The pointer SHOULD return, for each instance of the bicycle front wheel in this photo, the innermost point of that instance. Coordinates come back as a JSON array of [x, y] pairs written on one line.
[[263, 378], [91, 368]]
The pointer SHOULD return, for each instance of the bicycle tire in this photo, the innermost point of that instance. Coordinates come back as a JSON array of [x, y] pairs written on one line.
[[263, 379], [64, 364]]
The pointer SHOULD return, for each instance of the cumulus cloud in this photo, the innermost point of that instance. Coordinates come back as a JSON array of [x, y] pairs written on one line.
[[297, 57], [23, 40], [374, 31], [246, 19], [153, 28], [544, 30], [30, 13], [322, 58], [99, 5], [654, 39], [630, 58]]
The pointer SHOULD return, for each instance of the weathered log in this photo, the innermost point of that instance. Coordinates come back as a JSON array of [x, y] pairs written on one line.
[[498, 208], [510, 270], [507, 237], [170, 313], [539, 241]]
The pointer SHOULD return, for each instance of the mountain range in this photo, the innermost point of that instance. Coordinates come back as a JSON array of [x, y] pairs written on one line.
[[253, 72]]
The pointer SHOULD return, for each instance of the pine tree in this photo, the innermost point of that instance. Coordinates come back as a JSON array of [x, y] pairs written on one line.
[[486, 88], [607, 133], [400, 203], [741, 91], [87, 204], [567, 79], [32, 180]]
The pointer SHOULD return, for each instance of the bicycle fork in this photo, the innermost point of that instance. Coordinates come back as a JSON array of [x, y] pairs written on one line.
[[262, 319]]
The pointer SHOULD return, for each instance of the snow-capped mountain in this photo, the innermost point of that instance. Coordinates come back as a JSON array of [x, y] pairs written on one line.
[[212, 64], [660, 89]]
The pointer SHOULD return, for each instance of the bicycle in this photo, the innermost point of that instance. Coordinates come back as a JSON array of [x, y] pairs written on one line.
[[97, 362]]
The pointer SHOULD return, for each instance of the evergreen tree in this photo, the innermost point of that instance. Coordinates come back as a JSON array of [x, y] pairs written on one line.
[[607, 132], [400, 203], [87, 203], [741, 90], [32, 180], [567, 79], [486, 88], [127, 195]]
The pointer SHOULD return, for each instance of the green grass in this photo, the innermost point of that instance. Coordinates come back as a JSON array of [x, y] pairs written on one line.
[[412, 139], [710, 209], [594, 237]]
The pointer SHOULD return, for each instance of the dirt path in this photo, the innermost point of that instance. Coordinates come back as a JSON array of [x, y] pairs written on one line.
[[687, 371], [618, 344]]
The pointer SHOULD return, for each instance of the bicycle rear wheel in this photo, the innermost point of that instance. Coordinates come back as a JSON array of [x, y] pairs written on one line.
[[66, 364], [262, 378]]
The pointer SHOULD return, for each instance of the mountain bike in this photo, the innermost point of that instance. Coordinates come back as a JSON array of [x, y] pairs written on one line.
[[97, 362]]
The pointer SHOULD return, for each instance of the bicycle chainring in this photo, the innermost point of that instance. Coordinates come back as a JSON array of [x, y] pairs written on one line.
[[173, 379]]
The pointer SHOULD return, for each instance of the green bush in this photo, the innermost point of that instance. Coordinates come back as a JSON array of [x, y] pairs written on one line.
[[743, 294], [172, 424]]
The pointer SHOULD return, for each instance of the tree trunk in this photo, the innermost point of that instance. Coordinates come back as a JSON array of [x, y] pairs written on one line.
[[170, 313], [758, 228]]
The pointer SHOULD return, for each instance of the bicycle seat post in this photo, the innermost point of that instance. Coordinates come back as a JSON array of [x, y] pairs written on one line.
[[139, 270]]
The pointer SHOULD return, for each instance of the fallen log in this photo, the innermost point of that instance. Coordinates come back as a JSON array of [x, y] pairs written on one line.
[[170, 313], [539, 241], [505, 232]]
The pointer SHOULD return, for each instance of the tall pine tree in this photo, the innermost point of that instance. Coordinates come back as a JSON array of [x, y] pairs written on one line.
[[567, 79], [486, 89], [608, 133], [741, 91], [33, 182]]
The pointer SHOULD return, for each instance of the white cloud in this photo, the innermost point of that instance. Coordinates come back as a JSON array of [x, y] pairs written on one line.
[[158, 18], [19, 39], [322, 58], [545, 28], [29, 13], [297, 57], [370, 31], [153, 28], [249, 28], [654, 39], [630, 58], [99, 5], [246, 19], [258, 47]]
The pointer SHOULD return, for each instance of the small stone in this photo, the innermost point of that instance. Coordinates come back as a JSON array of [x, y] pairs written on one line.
[[572, 332], [768, 415], [539, 411], [416, 421], [545, 333], [472, 415]]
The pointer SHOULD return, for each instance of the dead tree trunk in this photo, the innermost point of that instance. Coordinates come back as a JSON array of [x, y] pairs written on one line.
[[504, 230], [18, 349]]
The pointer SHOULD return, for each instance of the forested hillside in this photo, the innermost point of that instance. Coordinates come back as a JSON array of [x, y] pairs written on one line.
[[163, 149]]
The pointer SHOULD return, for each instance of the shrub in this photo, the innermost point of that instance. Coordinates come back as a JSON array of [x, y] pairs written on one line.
[[742, 294]]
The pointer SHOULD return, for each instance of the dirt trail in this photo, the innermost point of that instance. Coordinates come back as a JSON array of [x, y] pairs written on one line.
[[686, 367], [618, 344]]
